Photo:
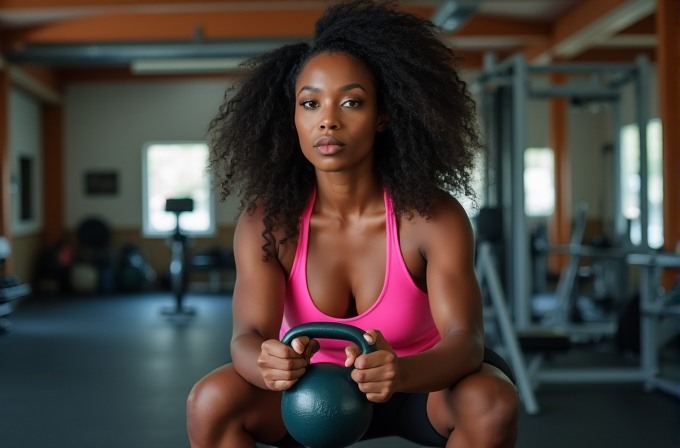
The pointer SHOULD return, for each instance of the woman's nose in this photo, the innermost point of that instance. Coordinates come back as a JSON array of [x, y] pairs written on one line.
[[325, 125], [329, 121]]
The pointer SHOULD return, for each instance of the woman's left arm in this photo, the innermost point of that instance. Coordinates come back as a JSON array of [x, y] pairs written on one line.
[[447, 243]]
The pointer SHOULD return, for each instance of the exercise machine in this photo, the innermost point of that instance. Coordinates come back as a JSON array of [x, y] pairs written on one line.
[[506, 88], [178, 243], [655, 304], [11, 288], [524, 350]]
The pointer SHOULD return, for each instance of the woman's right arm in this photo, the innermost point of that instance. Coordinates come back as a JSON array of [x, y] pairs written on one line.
[[258, 300]]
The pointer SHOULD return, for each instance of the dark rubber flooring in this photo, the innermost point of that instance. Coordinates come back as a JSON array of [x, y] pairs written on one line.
[[112, 372]]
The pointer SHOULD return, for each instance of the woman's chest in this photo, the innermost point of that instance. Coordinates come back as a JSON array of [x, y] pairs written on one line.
[[346, 266]]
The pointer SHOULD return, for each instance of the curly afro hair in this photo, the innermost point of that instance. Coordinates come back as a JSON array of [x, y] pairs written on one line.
[[431, 139]]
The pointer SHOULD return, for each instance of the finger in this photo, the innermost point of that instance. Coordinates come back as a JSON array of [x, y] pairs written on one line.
[[267, 361], [376, 337], [352, 351], [377, 374], [378, 398], [274, 374], [312, 347], [377, 392], [370, 337], [281, 385], [299, 344], [278, 349], [375, 360]]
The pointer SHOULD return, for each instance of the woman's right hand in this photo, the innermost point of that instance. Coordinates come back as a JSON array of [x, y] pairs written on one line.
[[282, 365]]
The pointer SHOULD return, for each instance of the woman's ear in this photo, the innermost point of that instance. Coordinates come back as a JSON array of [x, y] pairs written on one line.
[[382, 121]]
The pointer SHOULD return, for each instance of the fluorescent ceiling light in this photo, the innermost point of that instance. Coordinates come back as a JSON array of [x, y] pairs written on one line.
[[179, 66]]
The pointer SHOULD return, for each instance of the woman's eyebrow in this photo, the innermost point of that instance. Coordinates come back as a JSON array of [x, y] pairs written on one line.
[[310, 89], [340, 89], [350, 87]]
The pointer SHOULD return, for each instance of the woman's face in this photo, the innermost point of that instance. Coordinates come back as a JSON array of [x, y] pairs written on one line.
[[336, 112]]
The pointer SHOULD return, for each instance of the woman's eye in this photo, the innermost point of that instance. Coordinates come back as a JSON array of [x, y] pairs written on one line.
[[309, 104], [352, 103]]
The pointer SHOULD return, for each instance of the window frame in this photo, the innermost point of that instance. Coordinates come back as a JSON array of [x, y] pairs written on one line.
[[147, 232]]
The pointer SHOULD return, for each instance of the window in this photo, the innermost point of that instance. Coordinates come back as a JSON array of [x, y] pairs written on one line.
[[478, 185], [176, 170], [539, 182], [630, 179]]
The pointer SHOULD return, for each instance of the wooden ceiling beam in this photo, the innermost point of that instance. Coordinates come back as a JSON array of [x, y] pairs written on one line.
[[176, 26], [42, 83], [588, 24], [469, 61], [645, 26], [51, 4], [489, 25], [615, 55], [171, 27]]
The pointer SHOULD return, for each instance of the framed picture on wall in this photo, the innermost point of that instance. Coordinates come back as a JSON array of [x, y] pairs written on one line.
[[101, 183]]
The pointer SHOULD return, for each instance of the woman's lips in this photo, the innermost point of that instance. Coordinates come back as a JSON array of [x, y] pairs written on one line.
[[329, 145]]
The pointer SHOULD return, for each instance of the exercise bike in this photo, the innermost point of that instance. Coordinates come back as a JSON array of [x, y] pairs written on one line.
[[178, 244]]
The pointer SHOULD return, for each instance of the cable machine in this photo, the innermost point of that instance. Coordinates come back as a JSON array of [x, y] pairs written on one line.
[[506, 89]]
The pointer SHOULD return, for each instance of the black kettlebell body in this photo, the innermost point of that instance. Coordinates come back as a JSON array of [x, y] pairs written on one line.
[[325, 408]]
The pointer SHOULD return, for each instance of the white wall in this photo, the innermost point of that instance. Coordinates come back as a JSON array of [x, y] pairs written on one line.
[[107, 124], [587, 137], [25, 140], [106, 127]]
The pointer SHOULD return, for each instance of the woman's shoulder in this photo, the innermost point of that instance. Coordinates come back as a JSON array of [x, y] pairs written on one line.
[[251, 224], [447, 221], [445, 210], [251, 232]]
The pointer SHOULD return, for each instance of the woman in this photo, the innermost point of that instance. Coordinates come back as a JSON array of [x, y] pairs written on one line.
[[343, 152]]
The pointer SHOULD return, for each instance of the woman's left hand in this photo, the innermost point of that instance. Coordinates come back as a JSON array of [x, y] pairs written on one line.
[[376, 373]]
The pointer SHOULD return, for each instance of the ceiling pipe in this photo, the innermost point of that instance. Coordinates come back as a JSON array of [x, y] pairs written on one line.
[[120, 54], [452, 14]]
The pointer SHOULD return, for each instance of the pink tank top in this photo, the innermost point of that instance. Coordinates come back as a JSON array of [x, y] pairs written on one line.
[[401, 313]]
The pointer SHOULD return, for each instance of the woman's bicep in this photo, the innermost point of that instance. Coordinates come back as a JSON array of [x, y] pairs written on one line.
[[455, 298], [260, 284]]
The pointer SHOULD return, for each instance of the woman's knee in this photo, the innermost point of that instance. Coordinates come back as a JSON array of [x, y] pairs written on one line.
[[489, 398], [216, 397], [223, 406]]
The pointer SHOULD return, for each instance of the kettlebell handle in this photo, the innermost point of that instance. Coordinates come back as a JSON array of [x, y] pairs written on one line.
[[330, 330]]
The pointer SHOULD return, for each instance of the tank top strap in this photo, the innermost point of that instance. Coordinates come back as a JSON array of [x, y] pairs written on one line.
[[300, 261], [391, 228]]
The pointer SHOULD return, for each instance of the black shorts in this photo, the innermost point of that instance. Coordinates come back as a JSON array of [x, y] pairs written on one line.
[[405, 414]]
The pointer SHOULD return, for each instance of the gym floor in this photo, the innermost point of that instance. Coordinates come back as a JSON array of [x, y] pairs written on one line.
[[111, 372]]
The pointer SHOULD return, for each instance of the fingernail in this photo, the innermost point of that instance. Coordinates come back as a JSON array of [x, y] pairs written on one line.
[[368, 338]]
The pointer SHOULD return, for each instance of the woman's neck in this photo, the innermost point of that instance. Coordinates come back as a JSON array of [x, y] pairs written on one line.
[[347, 196]]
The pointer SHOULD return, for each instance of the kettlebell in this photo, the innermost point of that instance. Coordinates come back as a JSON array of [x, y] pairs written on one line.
[[325, 408]]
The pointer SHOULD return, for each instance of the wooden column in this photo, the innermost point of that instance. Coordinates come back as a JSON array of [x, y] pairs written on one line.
[[53, 173], [668, 54], [560, 222], [668, 67], [5, 199]]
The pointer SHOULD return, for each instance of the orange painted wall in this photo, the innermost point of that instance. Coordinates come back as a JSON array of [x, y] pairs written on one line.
[[668, 60], [5, 229], [53, 174]]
